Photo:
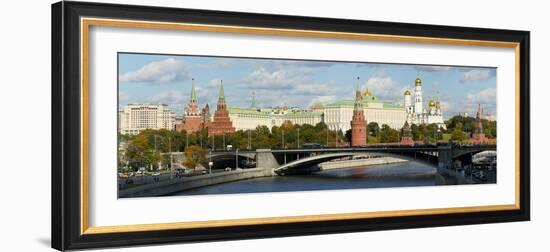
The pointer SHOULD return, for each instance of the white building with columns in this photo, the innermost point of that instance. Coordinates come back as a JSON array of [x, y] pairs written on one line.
[[338, 115], [250, 118]]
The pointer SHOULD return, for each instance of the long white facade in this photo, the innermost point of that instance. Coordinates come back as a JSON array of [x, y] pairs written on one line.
[[250, 118], [338, 115], [137, 117]]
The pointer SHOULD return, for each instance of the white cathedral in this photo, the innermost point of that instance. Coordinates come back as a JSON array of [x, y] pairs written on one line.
[[416, 114]]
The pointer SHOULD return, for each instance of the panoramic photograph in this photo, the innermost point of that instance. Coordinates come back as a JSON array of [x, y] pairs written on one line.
[[206, 125]]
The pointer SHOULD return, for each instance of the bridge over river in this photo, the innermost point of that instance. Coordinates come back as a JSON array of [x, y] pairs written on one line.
[[281, 162]]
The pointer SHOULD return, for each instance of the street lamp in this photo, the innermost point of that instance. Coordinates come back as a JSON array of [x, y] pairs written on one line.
[[236, 159], [210, 163], [283, 139], [298, 145], [249, 147], [186, 139], [201, 138], [327, 137], [213, 147], [171, 157]]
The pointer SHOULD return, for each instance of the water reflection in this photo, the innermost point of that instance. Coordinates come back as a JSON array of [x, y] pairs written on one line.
[[391, 175]]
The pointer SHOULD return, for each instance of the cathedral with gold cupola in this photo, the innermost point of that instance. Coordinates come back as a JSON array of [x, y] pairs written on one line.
[[416, 113]]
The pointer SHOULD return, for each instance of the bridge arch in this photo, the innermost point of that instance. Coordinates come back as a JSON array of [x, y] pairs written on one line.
[[222, 160], [307, 164]]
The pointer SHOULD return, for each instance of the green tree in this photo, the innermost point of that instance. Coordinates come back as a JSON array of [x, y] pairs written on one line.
[[373, 133], [143, 150], [194, 155], [458, 134], [261, 137], [348, 135], [388, 135]]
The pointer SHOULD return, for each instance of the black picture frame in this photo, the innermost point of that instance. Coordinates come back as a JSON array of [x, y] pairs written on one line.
[[66, 124]]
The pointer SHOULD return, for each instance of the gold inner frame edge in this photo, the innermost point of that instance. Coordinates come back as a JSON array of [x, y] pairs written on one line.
[[85, 24]]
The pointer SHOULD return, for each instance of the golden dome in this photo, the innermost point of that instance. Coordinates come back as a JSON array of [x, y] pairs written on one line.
[[431, 104], [367, 92], [418, 82], [407, 92]]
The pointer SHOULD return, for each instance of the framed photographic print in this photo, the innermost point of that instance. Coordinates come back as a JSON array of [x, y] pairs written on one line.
[[181, 125]]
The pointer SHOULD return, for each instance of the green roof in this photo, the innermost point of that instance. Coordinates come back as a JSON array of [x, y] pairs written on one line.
[[222, 93], [193, 93], [392, 105], [250, 111], [350, 103], [268, 112], [341, 103]]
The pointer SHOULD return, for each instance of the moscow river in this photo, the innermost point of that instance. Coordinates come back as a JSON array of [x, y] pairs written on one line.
[[377, 176]]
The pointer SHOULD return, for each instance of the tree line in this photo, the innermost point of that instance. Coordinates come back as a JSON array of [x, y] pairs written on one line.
[[145, 149]]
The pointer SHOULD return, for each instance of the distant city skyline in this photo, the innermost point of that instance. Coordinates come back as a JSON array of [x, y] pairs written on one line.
[[146, 78]]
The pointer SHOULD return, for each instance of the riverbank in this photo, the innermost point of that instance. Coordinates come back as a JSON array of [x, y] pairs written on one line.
[[359, 163], [187, 183]]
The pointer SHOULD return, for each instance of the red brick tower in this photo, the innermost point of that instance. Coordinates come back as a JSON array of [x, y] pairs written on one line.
[[407, 138], [221, 124], [358, 122], [478, 137], [192, 119], [206, 122]]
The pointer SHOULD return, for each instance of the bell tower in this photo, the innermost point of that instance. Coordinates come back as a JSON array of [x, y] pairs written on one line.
[[418, 96], [358, 121]]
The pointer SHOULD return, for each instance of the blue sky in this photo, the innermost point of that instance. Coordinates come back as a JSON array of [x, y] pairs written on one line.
[[145, 78]]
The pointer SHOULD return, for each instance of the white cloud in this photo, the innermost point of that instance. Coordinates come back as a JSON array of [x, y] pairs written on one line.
[[485, 96], [164, 71], [123, 97], [206, 95], [311, 89], [221, 63], [290, 84], [214, 83], [446, 106], [385, 88], [324, 99], [276, 64], [168, 97], [476, 75], [433, 68], [262, 78]]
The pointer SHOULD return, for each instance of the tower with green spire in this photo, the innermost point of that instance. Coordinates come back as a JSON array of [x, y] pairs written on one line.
[[478, 136], [192, 108], [358, 121], [253, 102], [192, 117], [221, 123], [193, 97], [358, 104], [221, 98]]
